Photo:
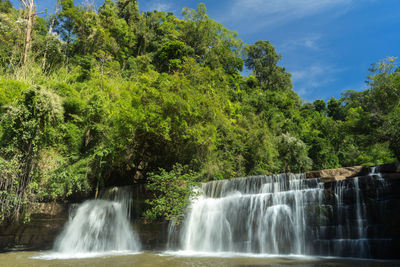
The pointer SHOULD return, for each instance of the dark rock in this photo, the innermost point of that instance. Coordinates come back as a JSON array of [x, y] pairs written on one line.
[[338, 174], [391, 175], [153, 236], [389, 168], [46, 222]]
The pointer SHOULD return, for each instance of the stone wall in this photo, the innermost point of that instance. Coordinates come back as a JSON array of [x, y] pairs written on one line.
[[46, 222], [153, 236]]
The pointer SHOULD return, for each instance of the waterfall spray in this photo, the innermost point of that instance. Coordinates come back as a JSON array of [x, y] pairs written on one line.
[[100, 226], [284, 214]]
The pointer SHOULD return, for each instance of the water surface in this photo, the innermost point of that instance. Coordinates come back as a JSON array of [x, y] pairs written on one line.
[[177, 259]]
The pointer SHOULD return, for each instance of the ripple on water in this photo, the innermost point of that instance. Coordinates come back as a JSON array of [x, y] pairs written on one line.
[[83, 255]]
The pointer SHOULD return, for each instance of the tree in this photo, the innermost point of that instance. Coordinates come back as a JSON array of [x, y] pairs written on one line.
[[320, 106], [171, 192], [391, 131], [48, 36], [335, 109], [384, 101], [65, 22], [171, 55], [293, 154], [323, 138], [12, 38], [262, 59], [213, 45], [129, 11], [384, 82], [25, 130], [31, 7], [5, 6]]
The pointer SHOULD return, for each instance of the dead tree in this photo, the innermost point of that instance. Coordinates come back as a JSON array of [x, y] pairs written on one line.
[[31, 7]]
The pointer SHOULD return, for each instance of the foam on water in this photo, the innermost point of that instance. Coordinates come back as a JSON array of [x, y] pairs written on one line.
[[189, 253], [98, 228], [83, 255], [281, 215]]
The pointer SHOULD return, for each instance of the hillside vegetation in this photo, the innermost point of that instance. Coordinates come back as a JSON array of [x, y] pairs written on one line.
[[114, 96]]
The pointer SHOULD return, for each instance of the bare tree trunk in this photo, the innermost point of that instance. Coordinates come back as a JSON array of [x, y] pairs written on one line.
[[31, 15]]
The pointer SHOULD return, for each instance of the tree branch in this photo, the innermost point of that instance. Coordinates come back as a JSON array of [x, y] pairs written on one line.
[[24, 3], [38, 13]]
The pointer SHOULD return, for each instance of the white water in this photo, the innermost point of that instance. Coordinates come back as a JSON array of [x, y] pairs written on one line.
[[282, 214], [98, 227], [253, 215], [200, 254], [351, 230]]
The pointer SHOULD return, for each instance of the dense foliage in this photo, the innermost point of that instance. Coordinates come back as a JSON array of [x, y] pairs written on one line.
[[171, 190], [108, 96]]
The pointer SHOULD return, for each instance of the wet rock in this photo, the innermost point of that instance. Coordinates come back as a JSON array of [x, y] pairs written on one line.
[[153, 236], [389, 168], [391, 171], [46, 222], [338, 174]]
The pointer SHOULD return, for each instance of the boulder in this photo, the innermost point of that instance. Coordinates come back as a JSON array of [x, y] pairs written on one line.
[[391, 170], [339, 173]]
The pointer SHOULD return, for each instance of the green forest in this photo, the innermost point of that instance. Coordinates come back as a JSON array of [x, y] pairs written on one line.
[[113, 96]]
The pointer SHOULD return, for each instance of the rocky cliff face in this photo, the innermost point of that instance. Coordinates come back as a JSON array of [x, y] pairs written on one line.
[[361, 209], [46, 222]]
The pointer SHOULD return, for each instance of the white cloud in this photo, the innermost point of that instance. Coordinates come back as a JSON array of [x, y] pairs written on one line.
[[302, 92], [355, 87], [273, 12], [313, 77], [161, 6], [158, 5], [311, 42]]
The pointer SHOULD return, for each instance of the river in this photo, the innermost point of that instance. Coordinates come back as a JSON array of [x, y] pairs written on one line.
[[36, 259]]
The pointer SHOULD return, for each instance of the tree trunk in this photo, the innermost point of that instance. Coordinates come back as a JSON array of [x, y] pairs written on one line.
[[31, 14]]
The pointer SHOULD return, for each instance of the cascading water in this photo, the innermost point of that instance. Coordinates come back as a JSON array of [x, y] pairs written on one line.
[[99, 226], [283, 214], [355, 229], [263, 214], [348, 236]]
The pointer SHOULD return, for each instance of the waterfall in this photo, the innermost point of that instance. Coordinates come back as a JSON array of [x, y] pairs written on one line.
[[355, 228], [284, 214], [350, 236], [98, 226], [264, 214]]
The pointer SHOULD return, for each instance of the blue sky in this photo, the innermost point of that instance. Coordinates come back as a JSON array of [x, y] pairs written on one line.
[[327, 45]]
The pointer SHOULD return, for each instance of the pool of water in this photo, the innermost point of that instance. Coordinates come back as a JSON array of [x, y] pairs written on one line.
[[177, 259]]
